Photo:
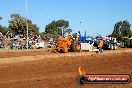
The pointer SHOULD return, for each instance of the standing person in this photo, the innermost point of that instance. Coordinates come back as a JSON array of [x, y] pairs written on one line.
[[1, 36], [76, 37], [7, 34], [100, 45], [11, 43]]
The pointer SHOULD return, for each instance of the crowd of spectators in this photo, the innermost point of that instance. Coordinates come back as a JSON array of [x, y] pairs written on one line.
[[18, 40]]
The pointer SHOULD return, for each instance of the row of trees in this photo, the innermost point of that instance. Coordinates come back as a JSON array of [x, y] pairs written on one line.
[[122, 29], [17, 24], [56, 27]]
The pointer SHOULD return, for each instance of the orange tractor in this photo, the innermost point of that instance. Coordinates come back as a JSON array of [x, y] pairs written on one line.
[[66, 44]]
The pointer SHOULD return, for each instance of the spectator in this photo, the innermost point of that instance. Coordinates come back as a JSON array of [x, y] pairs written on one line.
[[7, 34], [1, 37], [100, 45], [11, 43], [1, 34], [10, 35]]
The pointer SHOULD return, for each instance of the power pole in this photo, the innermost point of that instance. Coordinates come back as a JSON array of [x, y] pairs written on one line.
[[27, 23]]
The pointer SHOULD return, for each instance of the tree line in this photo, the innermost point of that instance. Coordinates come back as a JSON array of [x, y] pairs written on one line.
[[18, 24], [122, 29]]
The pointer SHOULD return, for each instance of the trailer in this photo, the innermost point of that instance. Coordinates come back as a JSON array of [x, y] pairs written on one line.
[[88, 47]]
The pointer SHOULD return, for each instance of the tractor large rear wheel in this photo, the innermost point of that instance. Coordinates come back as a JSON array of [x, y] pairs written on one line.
[[76, 46]]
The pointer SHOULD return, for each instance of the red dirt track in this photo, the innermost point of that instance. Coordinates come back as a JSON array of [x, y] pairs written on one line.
[[44, 69]]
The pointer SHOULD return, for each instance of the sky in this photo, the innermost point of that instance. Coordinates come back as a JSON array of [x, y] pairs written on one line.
[[94, 16]]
